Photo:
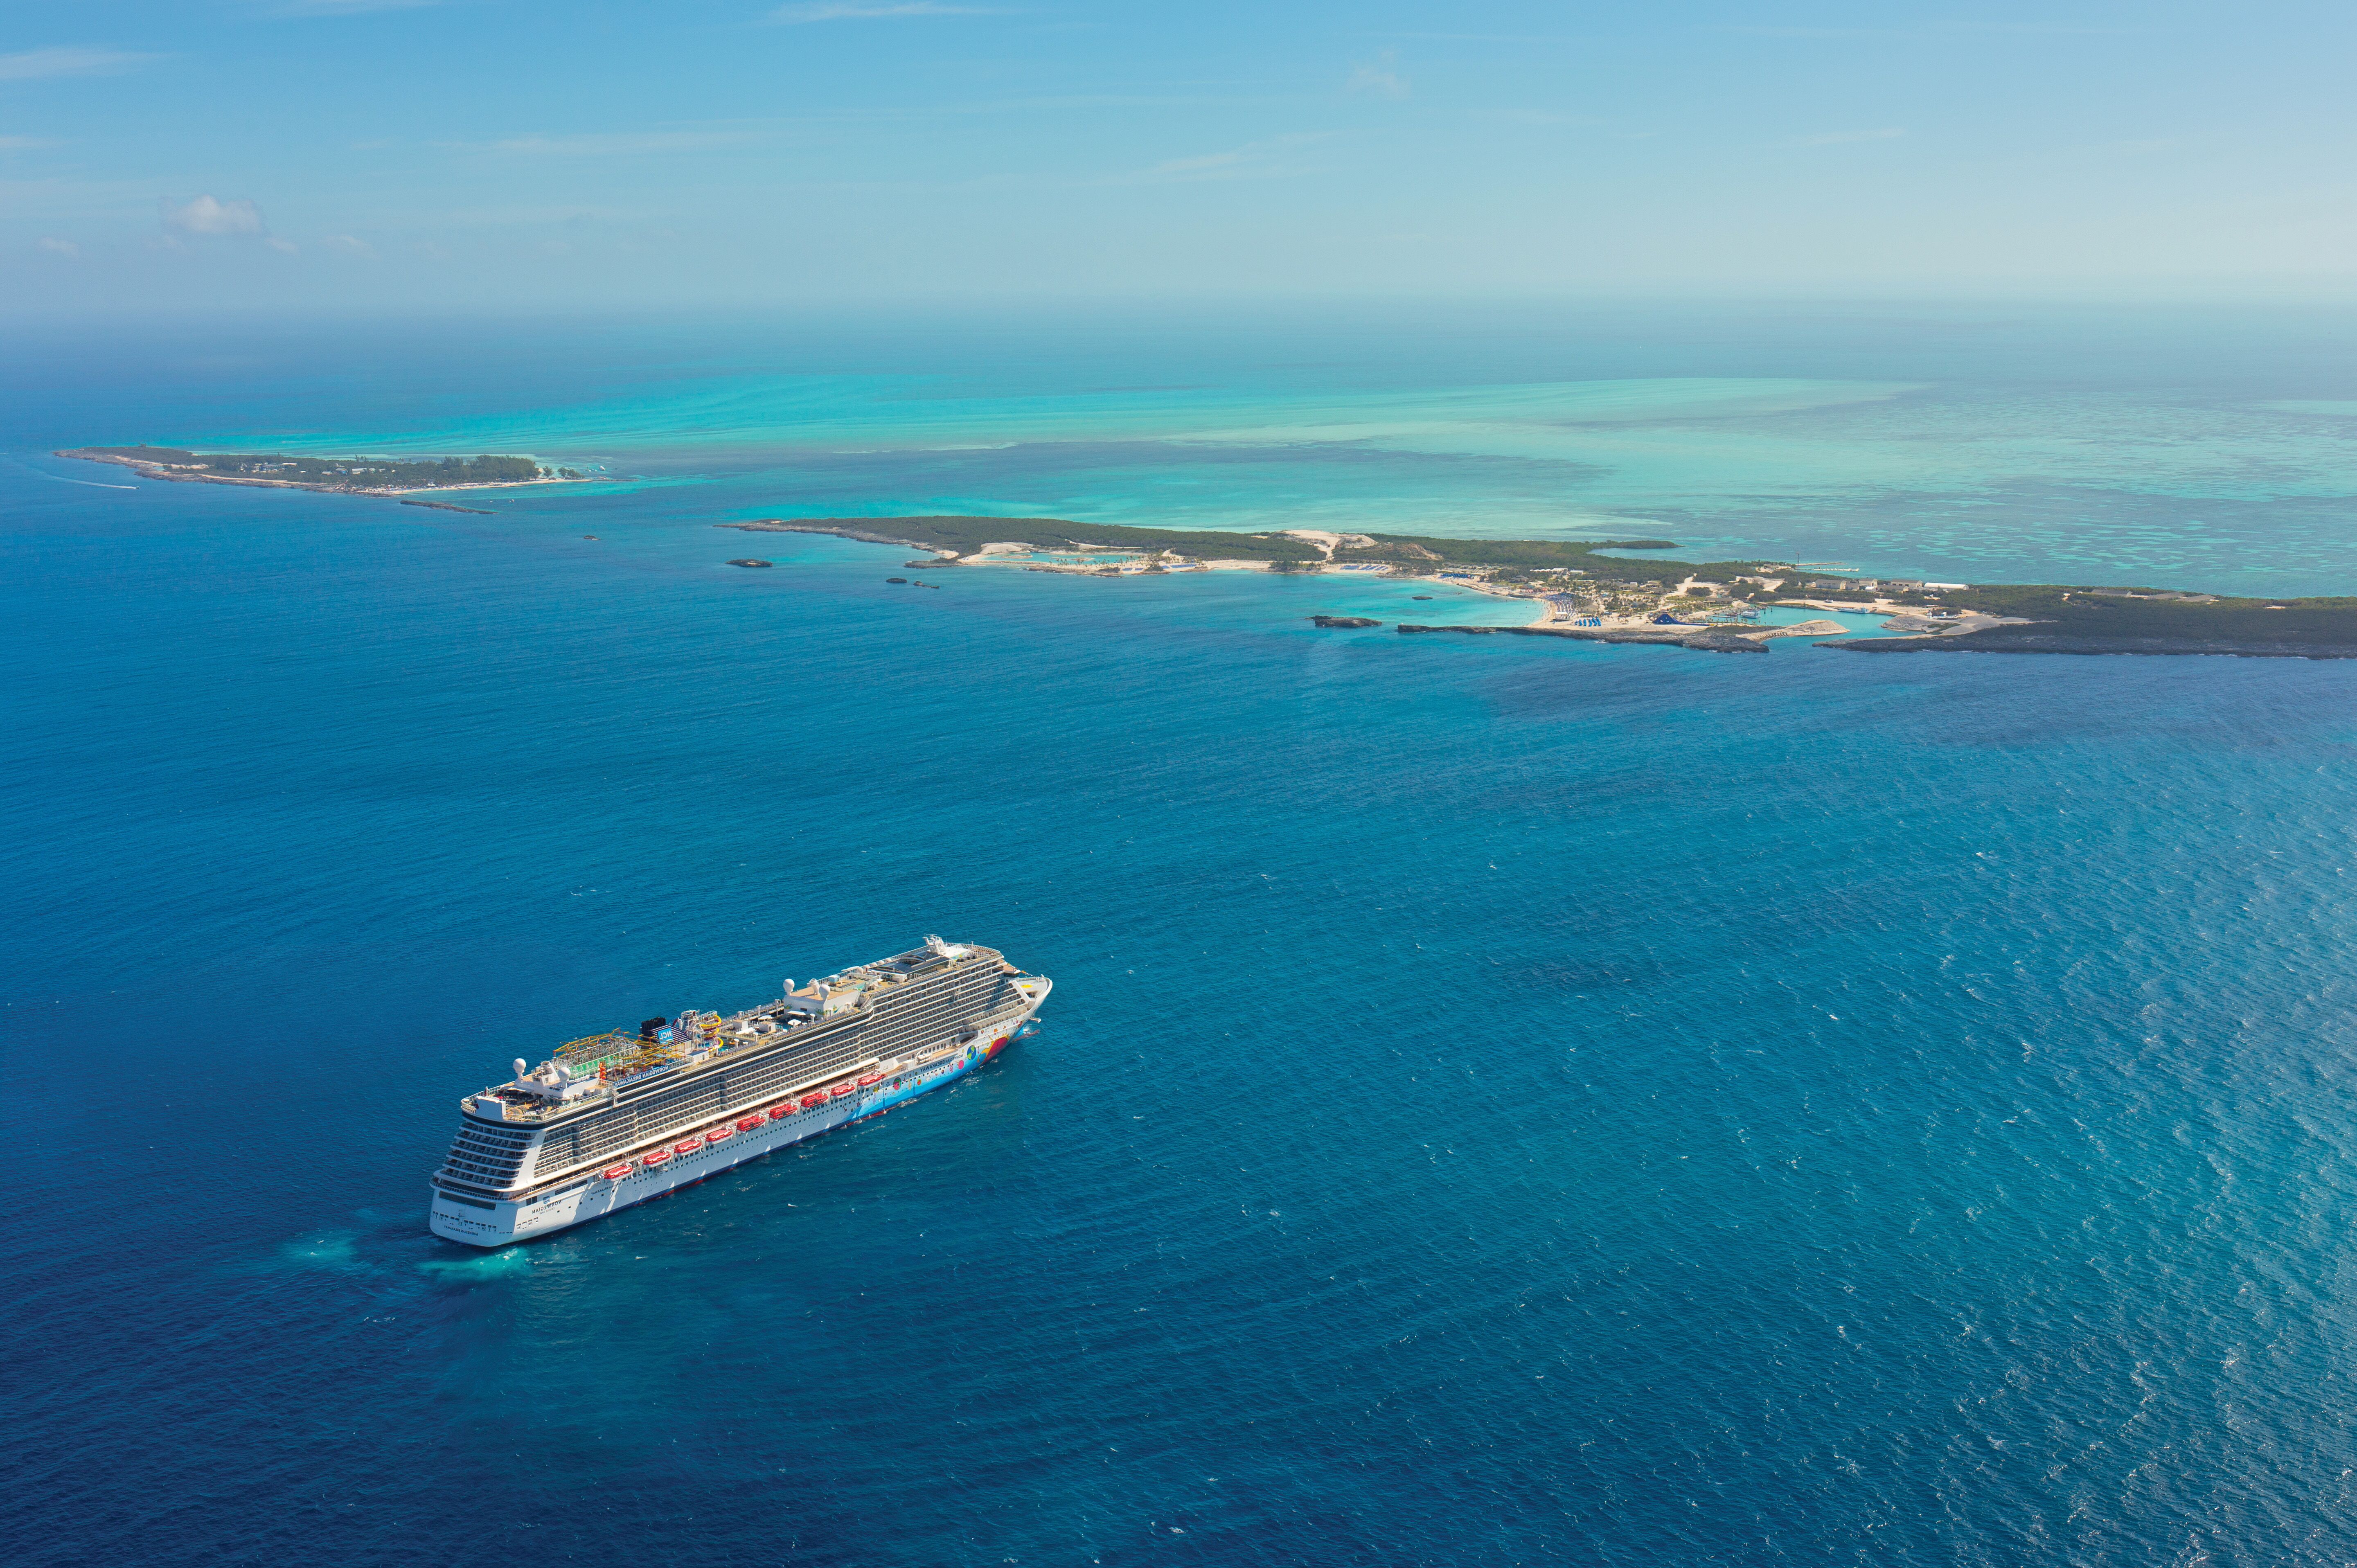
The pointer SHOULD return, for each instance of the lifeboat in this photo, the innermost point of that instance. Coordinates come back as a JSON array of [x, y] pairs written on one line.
[[812, 1101], [715, 1134], [687, 1146], [839, 1091], [746, 1123], [616, 1173], [780, 1112], [871, 1081], [654, 1157]]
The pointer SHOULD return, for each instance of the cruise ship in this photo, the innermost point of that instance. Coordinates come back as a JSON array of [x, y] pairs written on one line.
[[618, 1118]]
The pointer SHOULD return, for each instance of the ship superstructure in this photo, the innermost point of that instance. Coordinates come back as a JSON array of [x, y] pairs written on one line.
[[614, 1119]]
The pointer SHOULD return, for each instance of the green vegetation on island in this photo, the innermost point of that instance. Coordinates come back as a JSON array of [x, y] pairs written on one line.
[[2037, 618], [966, 535], [2056, 618], [355, 473], [1509, 560]]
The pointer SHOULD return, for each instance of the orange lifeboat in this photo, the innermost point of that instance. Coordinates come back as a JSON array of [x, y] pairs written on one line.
[[616, 1173], [839, 1091], [812, 1101], [871, 1081], [780, 1112], [687, 1146], [715, 1134], [746, 1123], [654, 1157]]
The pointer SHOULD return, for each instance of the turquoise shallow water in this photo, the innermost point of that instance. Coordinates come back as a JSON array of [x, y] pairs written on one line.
[[2210, 449], [1503, 1102]]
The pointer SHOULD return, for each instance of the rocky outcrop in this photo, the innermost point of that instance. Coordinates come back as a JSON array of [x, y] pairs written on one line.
[[1712, 640], [780, 525], [750, 561], [1344, 622]]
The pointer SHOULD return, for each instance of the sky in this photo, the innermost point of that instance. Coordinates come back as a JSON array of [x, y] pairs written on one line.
[[488, 155]]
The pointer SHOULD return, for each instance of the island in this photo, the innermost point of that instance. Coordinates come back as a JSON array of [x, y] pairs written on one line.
[[355, 476], [1015, 539], [1632, 590]]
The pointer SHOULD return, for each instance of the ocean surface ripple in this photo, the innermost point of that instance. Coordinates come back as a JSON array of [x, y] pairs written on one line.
[[1500, 1103]]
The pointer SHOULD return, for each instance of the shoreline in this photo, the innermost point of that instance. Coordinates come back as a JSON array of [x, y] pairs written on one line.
[[1002, 553], [1615, 592], [2063, 642], [1713, 603], [153, 469]]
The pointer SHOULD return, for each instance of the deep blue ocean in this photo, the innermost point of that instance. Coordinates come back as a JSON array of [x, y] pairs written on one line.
[[1502, 1103]]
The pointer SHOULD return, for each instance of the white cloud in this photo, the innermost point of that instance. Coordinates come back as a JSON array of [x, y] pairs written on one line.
[[615, 144], [1822, 32], [1834, 138], [1253, 160], [1377, 78], [514, 216], [347, 8], [59, 247], [1934, 29], [26, 143], [33, 64], [208, 215], [351, 244], [1484, 39], [1204, 164], [283, 247], [854, 11]]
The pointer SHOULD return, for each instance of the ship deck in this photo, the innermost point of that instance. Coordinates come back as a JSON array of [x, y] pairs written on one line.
[[600, 1068]]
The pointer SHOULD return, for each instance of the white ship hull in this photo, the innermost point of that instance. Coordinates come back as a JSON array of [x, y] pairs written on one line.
[[495, 1224]]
